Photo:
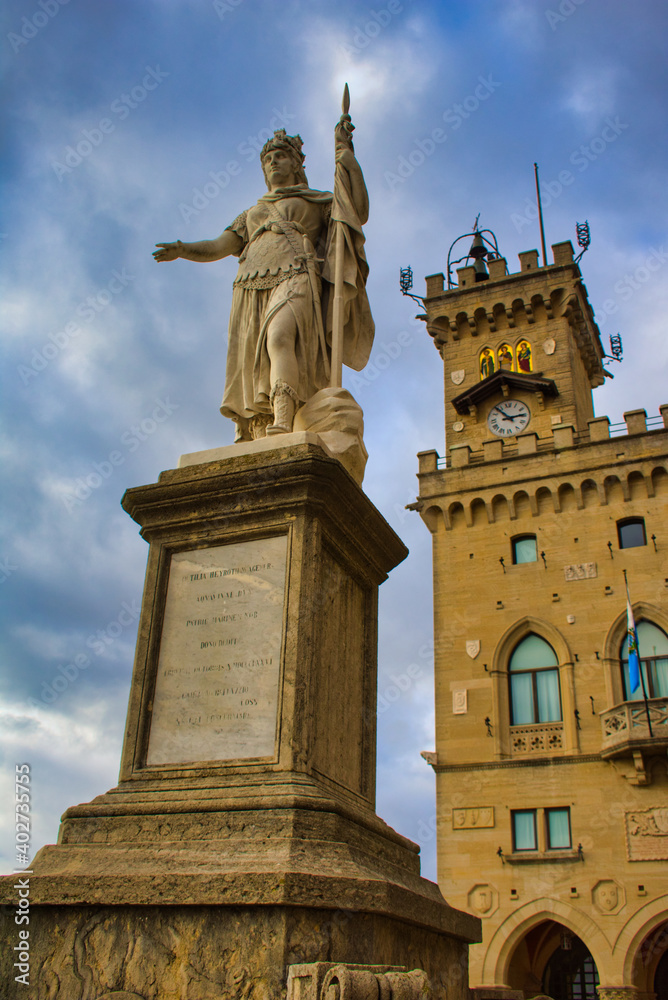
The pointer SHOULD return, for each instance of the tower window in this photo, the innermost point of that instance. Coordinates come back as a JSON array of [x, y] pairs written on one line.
[[631, 532], [524, 549], [558, 829], [524, 830], [653, 655], [534, 683]]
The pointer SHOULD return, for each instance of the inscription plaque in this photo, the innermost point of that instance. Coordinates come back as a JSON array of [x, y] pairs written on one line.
[[216, 692]]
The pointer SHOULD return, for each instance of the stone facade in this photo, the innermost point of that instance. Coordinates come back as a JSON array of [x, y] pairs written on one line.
[[527, 515]]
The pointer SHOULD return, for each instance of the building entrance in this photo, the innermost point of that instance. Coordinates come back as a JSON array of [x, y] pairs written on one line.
[[551, 960], [570, 973]]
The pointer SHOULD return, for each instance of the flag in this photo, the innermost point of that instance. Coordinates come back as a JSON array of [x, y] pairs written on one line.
[[632, 634]]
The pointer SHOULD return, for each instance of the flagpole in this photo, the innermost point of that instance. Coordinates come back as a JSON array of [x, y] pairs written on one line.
[[336, 371], [631, 626]]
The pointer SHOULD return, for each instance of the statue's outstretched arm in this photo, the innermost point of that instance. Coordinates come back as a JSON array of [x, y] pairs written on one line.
[[206, 250]]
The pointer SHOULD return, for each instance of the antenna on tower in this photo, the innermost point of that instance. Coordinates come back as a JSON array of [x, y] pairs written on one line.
[[540, 215], [616, 348], [584, 238], [406, 283]]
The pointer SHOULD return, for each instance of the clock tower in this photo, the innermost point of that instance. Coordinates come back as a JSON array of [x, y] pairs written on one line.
[[550, 751], [521, 354]]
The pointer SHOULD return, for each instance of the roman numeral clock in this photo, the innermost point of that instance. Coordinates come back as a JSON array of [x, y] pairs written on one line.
[[509, 417]]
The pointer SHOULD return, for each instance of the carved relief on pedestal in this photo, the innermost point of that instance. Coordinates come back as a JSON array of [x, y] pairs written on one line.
[[323, 980], [647, 834], [608, 896], [483, 899]]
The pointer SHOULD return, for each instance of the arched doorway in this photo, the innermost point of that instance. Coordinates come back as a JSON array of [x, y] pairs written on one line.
[[651, 963], [550, 959], [570, 973], [661, 978]]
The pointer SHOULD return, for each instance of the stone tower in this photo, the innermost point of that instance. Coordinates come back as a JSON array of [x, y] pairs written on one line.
[[552, 787]]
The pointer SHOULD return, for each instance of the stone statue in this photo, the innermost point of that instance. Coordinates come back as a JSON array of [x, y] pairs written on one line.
[[299, 306]]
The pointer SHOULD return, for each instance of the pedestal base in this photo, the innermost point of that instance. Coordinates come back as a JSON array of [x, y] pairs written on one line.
[[209, 952], [200, 878]]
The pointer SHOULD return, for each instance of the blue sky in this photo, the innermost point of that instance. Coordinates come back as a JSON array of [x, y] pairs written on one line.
[[166, 102]]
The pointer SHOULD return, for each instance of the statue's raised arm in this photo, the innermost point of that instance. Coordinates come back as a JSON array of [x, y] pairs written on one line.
[[299, 295]]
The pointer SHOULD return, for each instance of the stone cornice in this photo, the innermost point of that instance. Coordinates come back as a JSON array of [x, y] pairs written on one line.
[[495, 765]]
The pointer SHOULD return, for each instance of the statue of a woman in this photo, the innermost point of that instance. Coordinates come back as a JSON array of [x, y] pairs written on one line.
[[280, 332]]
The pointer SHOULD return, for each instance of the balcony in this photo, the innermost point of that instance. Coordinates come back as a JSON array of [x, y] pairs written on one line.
[[626, 732], [538, 740]]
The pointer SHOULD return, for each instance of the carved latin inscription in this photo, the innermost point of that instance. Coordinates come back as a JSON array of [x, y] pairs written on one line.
[[216, 693]]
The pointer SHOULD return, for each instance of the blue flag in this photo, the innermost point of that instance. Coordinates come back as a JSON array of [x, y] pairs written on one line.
[[632, 634]]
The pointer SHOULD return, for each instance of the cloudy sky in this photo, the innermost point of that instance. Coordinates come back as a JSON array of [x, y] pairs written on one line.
[[139, 121]]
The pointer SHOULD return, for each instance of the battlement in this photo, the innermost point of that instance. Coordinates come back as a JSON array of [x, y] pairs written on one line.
[[564, 436], [563, 254]]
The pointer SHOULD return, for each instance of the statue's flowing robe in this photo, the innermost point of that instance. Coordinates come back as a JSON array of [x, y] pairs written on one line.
[[287, 262]]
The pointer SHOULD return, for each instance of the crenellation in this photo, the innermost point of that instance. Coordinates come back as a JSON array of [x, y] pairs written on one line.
[[528, 260], [560, 494], [636, 421]]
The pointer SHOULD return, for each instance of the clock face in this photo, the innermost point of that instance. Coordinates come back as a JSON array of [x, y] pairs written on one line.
[[508, 417]]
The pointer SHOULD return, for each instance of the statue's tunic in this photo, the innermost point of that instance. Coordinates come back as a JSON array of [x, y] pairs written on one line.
[[286, 262], [278, 268]]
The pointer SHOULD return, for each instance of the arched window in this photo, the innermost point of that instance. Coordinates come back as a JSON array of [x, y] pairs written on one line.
[[653, 651], [534, 683]]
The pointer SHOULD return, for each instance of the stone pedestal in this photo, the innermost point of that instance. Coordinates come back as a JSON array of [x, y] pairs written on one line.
[[242, 836]]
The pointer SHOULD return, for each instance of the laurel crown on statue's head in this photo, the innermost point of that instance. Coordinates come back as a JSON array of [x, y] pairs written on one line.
[[281, 140], [292, 145]]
